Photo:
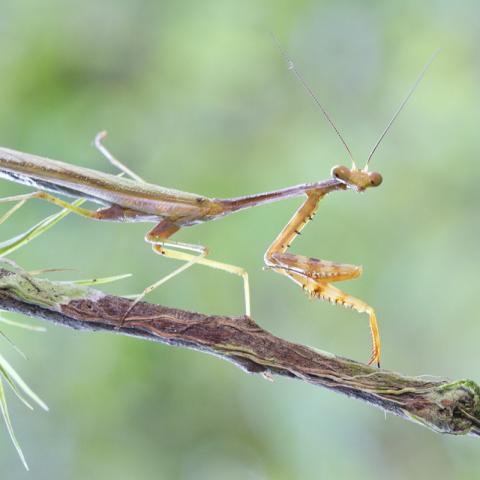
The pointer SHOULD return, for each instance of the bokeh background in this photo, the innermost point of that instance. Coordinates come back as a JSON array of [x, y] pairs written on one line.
[[196, 96]]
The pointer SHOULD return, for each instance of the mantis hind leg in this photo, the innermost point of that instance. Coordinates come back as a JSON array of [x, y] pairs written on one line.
[[10, 212], [112, 213], [116, 163], [314, 275], [13, 244], [22, 199], [162, 245]]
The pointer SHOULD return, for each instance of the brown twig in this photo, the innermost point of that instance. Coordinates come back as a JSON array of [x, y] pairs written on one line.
[[442, 406]]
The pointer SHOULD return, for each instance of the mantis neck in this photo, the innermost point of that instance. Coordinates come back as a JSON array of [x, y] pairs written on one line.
[[239, 203]]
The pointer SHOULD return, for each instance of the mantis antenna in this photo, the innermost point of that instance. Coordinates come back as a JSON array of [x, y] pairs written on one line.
[[291, 66], [400, 108]]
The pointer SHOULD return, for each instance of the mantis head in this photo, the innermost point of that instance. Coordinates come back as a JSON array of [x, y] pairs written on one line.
[[356, 179]]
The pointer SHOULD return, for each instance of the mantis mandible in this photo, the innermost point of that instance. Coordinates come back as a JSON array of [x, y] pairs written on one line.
[[133, 200]]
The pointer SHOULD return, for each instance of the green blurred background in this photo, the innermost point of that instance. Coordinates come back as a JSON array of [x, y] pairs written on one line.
[[195, 96]]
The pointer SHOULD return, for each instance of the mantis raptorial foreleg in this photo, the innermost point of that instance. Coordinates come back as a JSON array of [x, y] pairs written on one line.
[[314, 275]]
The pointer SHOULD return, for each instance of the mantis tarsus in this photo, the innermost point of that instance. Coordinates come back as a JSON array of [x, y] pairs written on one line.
[[133, 200]]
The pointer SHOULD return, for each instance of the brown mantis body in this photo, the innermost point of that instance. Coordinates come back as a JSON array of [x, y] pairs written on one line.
[[133, 200]]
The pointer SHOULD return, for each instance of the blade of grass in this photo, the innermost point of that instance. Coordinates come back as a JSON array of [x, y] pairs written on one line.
[[21, 384], [19, 241], [12, 344], [14, 388], [25, 326], [8, 423], [99, 281]]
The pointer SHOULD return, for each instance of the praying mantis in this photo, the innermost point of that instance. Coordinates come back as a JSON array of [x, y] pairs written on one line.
[[134, 200]]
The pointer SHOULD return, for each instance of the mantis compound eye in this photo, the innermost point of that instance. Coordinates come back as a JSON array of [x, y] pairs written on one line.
[[340, 172], [375, 179]]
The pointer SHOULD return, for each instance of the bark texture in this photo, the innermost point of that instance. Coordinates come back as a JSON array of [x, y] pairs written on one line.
[[441, 405]]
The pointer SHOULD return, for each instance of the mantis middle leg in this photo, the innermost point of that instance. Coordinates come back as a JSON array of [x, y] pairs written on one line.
[[315, 276], [159, 237]]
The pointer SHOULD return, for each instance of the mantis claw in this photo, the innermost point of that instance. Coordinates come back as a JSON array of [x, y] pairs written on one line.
[[374, 359]]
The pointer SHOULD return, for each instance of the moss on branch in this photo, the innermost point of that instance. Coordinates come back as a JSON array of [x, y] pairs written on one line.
[[442, 406]]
